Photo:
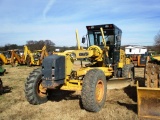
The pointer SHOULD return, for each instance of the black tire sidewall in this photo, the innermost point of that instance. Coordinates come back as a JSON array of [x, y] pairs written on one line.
[[32, 87], [36, 86], [89, 89], [128, 69]]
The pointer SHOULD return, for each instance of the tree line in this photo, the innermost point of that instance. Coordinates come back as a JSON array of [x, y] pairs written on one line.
[[157, 42], [36, 45]]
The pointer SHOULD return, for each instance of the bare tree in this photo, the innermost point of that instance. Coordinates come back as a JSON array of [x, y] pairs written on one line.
[[37, 45], [50, 45], [157, 42]]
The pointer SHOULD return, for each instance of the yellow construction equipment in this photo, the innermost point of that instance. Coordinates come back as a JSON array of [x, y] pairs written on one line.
[[36, 57], [139, 60], [11, 57], [148, 97], [106, 60], [17, 57], [5, 57]]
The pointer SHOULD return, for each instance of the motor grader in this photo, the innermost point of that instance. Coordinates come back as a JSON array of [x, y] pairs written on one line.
[[106, 60], [148, 95]]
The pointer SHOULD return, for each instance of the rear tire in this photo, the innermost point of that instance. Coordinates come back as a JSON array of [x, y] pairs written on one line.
[[34, 92], [128, 71], [94, 90]]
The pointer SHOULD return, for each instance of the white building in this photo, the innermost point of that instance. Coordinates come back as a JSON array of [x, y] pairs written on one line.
[[130, 50]]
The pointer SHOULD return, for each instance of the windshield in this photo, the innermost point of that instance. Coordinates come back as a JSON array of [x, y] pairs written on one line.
[[95, 38]]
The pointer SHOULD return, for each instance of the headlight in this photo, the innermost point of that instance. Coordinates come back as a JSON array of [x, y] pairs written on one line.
[[73, 55]]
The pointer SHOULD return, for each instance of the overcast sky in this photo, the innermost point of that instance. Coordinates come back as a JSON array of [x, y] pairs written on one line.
[[57, 20]]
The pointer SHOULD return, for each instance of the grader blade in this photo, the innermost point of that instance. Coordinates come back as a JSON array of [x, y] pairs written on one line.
[[148, 100], [117, 83]]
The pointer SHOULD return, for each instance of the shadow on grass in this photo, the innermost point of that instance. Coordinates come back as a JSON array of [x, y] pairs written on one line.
[[141, 81], [5, 89], [132, 107], [58, 95], [131, 92]]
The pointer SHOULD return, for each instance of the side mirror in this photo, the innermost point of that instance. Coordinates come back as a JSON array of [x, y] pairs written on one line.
[[83, 40]]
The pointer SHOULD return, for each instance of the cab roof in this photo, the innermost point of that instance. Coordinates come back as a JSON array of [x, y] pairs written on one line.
[[104, 26]]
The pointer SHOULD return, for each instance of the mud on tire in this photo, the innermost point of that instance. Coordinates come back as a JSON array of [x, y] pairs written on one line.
[[94, 90], [33, 93]]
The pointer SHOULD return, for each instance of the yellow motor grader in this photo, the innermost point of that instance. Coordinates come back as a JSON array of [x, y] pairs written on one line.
[[148, 96], [106, 60]]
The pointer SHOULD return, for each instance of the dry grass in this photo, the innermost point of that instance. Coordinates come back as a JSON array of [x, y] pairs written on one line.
[[120, 104]]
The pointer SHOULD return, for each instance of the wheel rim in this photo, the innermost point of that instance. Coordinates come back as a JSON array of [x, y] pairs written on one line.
[[41, 90], [99, 90]]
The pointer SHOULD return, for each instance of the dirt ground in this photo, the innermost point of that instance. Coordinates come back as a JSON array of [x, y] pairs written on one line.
[[120, 104]]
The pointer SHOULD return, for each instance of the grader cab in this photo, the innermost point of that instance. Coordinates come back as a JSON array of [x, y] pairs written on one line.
[[106, 60]]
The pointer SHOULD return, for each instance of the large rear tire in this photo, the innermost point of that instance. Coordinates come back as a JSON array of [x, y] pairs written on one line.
[[94, 90], [128, 71], [34, 92]]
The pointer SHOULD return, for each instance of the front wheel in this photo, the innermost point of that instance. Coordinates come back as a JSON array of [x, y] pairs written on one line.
[[94, 90], [34, 91]]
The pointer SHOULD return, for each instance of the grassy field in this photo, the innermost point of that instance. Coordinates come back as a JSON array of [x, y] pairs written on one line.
[[120, 104]]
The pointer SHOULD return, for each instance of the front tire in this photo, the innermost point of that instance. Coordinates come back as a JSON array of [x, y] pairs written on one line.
[[34, 92], [94, 90]]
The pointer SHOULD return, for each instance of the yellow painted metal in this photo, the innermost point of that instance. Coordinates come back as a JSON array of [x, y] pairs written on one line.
[[43, 53], [148, 100], [83, 53], [103, 39], [120, 65], [96, 52], [128, 61], [77, 38], [123, 59], [72, 84], [76, 84], [157, 57], [107, 70], [69, 65], [27, 52], [4, 59]]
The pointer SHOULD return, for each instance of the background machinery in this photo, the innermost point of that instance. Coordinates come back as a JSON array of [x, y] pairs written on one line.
[[5, 57], [149, 96], [36, 57], [139, 60], [17, 57], [106, 60], [2, 71]]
